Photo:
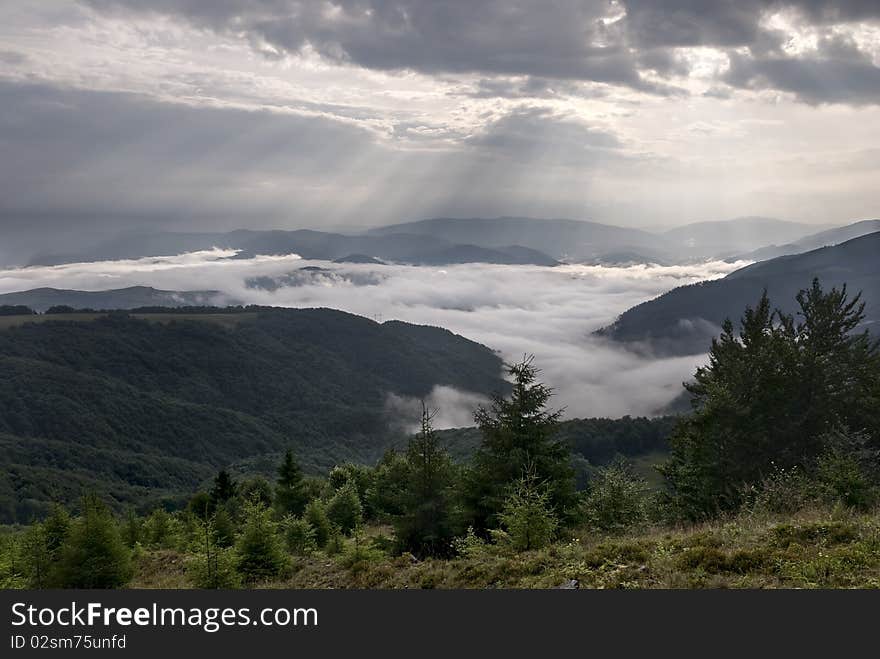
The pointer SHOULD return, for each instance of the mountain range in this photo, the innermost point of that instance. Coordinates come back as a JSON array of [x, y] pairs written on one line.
[[444, 241], [142, 408], [826, 238], [684, 320], [41, 299], [727, 238], [398, 247]]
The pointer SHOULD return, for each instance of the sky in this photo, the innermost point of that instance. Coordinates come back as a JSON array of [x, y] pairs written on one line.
[[219, 114], [516, 310]]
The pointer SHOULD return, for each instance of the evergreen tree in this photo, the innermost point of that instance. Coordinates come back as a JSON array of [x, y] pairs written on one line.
[[213, 566], [256, 487], [344, 508], [425, 526], [616, 498], [528, 514], [132, 529], [224, 488], [299, 535], [259, 548], [316, 515], [290, 492], [769, 396], [223, 527], [838, 367], [56, 527], [518, 435], [94, 555], [361, 476], [158, 529], [37, 560], [387, 493]]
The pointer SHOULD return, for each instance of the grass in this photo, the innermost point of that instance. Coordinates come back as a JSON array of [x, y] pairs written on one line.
[[812, 549]]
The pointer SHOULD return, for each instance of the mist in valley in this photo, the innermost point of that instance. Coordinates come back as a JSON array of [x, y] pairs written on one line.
[[550, 312]]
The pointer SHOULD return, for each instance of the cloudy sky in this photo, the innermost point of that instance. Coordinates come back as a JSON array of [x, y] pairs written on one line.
[[328, 113]]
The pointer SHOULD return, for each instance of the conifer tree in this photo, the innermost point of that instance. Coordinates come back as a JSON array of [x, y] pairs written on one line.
[[770, 396], [224, 488], [425, 525], [344, 509], [260, 549], [290, 493], [316, 515], [518, 435], [528, 514], [93, 554], [56, 527]]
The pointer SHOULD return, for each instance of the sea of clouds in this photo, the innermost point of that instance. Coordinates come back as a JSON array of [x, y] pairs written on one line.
[[516, 310]]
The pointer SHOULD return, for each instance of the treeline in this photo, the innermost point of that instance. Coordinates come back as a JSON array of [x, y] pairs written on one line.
[[184, 310], [24, 310], [16, 310]]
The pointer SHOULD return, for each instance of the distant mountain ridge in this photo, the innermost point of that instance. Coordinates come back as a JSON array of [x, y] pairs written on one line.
[[561, 239], [446, 241], [399, 247], [41, 299], [684, 320], [729, 237], [826, 238]]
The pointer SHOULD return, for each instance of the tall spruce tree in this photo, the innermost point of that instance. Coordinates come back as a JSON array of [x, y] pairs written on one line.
[[224, 488], [290, 493], [518, 437], [425, 526]]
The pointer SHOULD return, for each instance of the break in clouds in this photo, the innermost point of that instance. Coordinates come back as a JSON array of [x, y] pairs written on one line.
[[516, 310]]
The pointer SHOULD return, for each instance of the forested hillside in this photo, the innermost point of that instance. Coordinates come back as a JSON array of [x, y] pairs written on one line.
[[134, 407], [684, 320]]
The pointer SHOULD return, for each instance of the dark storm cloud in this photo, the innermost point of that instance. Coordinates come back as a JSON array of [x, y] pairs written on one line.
[[543, 40], [553, 38], [838, 73], [673, 23]]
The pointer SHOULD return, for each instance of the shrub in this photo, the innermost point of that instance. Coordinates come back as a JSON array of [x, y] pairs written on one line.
[[616, 499], [94, 555], [223, 527], [132, 528], [214, 569], [158, 529], [299, 536], [344, 509], [36, 558], [259, 548], [528, 515], [783, 491], [844, 470], [469, 545], [316, 515]]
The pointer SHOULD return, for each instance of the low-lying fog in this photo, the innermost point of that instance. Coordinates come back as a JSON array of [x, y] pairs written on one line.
[[549, 312]]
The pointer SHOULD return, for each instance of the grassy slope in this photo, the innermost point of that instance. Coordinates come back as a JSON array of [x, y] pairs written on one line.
[[813, 549]]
